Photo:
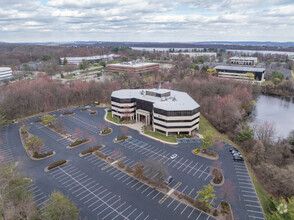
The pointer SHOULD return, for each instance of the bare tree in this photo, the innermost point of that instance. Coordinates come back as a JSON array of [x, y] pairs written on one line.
[[156, 170], [265, 133]]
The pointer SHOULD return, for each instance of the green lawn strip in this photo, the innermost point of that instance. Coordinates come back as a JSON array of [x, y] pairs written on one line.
[[93, 70], [160, 136], [113, 119]]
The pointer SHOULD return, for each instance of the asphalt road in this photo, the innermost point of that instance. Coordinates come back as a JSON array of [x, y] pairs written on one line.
[[107, 193]]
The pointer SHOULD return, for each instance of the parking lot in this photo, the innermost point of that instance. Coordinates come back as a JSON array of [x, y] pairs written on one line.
[[102, 191]]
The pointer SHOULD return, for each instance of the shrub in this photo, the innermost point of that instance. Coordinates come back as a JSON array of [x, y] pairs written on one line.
[[129, 169], [110, 159], [91, 150], [56, 164], [100, 154], [67, 113], [121, 138], [201, 205], [215, 213], [188, 136], [84, 109], [121, 164], [180, 196], [93, 113], [77, 142], [42, 155], [225, 207], [48, 119], [24, 129], [109, 110], [180, 136], [106, 131], [188, 198]]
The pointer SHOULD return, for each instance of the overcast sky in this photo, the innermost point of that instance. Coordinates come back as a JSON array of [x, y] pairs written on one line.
[[146, 20]]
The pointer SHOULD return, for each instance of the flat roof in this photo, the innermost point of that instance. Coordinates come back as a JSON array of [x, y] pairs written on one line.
[[177, 101], [243, 58], [132, 64], [5, 69], [240, 68], [90, 57]]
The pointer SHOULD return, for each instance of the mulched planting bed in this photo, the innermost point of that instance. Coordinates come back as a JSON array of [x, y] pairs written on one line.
[[106, 131], [122, 138], [67, 113], [93, 113], [84, 109], [91, 150], [38, 121], [78, 142], [42, 155], [56, 164], [218, 176]]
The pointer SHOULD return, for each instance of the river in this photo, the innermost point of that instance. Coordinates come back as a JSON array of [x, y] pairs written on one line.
[[279, 111]]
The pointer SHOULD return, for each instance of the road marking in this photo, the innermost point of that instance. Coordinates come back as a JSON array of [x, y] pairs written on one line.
[[169, 193]]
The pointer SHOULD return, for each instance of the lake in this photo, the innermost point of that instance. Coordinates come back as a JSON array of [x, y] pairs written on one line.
[[279, 111]]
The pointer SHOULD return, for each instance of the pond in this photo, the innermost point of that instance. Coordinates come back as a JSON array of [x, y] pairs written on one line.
[[279, 111]]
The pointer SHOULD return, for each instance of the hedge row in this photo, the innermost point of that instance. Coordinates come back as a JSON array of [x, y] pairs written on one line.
[[42, 155], [91, 150], [120, 138], [56, 164], [67, 113], [77, 142], [106, 131]]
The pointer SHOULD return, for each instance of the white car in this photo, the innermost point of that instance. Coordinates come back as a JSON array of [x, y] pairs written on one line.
[[173, 156]]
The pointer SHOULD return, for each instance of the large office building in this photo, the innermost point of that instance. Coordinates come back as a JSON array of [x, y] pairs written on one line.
[[167, 111], [5, 73], [139, 67], [250, 61], [91, 59], [241, 72]]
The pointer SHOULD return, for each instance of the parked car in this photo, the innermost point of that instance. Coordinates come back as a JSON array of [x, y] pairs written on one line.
[[173, 156], [168, 180], [238, 158], [196, 151], [232, 148]]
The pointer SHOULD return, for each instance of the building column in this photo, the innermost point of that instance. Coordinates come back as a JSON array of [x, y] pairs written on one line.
[[166, 133]]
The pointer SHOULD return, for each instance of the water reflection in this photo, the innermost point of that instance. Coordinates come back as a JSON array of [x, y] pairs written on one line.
[[279, 111]]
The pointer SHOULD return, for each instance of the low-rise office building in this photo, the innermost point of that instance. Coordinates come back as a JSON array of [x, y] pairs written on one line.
[[5, 73], [91, 59], [167, 111], [133, 67], [244, 60], [241, 73]]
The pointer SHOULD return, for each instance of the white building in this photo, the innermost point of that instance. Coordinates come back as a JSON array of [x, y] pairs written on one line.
[[167, 111], [5, 73], [244, 60], [91, 59]]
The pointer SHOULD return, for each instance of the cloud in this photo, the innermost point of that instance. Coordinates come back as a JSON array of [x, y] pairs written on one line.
[[146, 20]]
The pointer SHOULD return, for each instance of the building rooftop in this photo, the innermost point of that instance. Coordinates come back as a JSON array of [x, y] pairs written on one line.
[[90, 57], [132, 64], [176, 101], [244, 58], [240, 68], [5, 69]]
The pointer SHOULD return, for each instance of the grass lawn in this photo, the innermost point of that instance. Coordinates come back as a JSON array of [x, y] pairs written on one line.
[[113, 119], [160, 136], [69, 76], [93, 70]]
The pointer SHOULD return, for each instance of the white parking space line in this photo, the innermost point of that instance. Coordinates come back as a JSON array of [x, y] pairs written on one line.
[[198, 169]]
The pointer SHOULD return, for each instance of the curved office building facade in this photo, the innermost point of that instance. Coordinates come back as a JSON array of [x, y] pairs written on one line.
[[167, 111]]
